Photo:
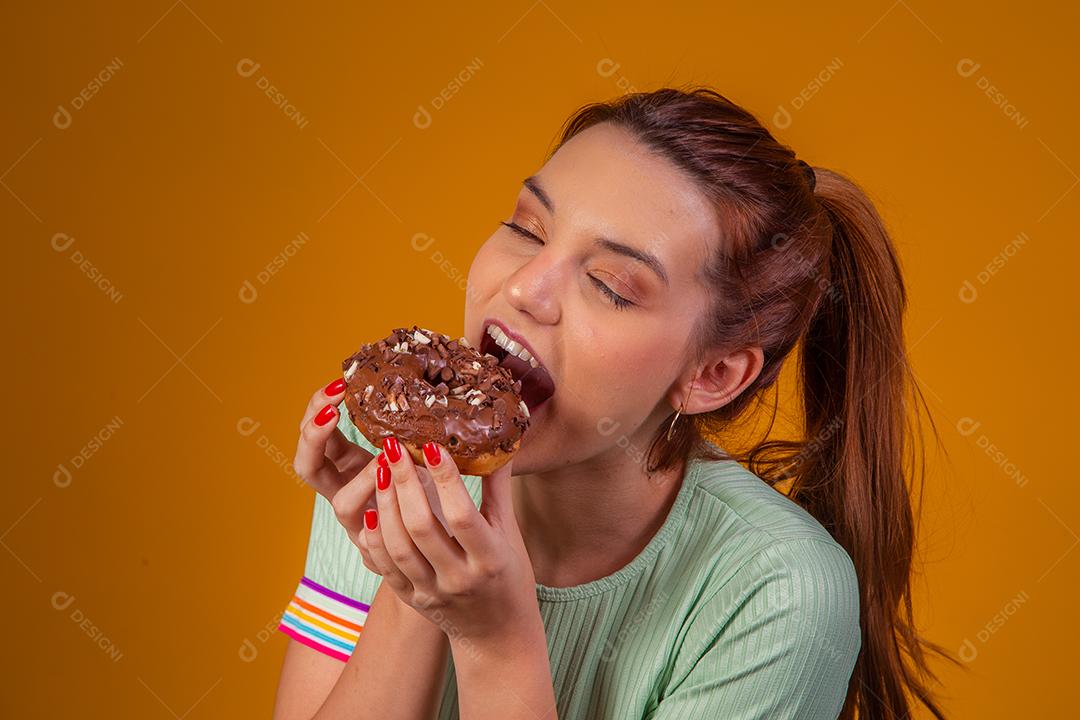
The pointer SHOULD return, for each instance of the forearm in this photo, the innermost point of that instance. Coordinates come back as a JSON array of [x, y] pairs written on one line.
[[509, 678], [397, 670]]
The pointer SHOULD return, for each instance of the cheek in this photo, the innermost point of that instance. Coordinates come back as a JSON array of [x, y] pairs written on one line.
[[484, 275], [623, 376], [492, 263]]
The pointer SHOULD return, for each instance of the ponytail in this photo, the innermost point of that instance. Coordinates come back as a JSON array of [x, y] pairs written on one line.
[[861, 417]]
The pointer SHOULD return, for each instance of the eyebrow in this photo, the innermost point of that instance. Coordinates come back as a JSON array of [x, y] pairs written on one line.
[[533, 184], [646, 258]]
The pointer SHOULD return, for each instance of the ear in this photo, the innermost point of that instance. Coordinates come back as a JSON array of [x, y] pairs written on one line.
[[719, 381]]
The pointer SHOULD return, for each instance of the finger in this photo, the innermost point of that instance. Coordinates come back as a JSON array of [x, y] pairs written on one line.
[[344, 454], [471, 530], [311, 462], [497, 503], [353, 498], [442, 552], [374, 538], [400, 548], [360, 541], [334, 392]]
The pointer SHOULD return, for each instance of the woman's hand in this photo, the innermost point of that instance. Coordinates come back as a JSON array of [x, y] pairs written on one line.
[[339, 470], [476, 585]]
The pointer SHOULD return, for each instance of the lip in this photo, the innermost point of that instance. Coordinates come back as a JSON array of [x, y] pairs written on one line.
[[516, 337]]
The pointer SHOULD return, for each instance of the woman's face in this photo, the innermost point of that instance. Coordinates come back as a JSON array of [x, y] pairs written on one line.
[[598, 273]]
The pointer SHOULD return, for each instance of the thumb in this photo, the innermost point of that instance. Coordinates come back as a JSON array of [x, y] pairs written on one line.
[[496, 503]]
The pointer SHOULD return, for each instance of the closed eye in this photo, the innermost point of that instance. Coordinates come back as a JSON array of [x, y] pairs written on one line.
[[521, 231], [617, 300]]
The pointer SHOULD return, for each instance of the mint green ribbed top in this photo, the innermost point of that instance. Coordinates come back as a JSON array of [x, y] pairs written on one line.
[[741, 606]]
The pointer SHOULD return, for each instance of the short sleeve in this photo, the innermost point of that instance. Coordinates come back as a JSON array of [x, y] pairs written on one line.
[[778, 640], [331, 602]]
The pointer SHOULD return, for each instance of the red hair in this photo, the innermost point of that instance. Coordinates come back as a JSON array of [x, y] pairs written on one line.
[[813, 268]]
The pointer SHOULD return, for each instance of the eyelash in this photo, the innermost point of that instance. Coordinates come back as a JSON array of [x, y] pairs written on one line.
[[618, 301]]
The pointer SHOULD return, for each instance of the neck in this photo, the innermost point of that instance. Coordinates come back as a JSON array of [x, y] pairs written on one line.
[[588, 520]]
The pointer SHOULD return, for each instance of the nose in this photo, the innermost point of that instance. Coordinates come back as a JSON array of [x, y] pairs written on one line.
[[533, 288]]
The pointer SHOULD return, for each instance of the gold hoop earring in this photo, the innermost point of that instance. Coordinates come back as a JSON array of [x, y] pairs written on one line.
[[679, 412]]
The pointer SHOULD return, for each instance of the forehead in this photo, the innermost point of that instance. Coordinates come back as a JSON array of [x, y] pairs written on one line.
[[605, 182]]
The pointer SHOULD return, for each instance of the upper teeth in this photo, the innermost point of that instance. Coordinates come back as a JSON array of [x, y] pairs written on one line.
[[510, 346]]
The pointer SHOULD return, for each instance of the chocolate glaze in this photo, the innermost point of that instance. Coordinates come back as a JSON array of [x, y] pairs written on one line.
[[453, 395]]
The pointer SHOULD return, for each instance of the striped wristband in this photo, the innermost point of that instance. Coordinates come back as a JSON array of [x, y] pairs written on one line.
[[323, 619]]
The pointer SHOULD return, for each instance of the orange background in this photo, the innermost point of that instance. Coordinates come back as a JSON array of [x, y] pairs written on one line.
[[149, 545]]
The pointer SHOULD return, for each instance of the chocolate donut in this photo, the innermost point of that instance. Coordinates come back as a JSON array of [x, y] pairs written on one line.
[[419, 385]]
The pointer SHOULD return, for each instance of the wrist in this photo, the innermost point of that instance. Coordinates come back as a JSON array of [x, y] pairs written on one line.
[[519, 659], [403, 616], [516, 642]]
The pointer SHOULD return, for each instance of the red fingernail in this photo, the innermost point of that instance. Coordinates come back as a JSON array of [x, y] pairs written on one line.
[[371, 519], [335, 387], [324, 415], [382, 477], [383, 462], [392, 448], [432, 454]]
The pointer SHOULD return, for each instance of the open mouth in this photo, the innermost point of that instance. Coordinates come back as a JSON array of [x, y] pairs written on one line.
[[537, 386]]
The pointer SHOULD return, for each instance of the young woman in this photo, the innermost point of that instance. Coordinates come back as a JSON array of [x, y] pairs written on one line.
[[661, 266]]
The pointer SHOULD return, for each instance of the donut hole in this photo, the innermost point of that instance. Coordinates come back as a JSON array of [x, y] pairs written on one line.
[[453, 441]]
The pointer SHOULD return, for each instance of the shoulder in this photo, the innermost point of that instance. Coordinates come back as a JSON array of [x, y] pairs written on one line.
[[773, 621], [746, 502], [759, 545]]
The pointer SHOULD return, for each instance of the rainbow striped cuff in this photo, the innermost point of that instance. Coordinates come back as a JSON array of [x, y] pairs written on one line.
[[323, 619]]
